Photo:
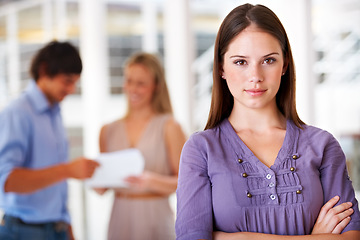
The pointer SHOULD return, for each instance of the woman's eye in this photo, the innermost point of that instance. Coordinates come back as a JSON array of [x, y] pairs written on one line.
[[240, 62], [269, 60]]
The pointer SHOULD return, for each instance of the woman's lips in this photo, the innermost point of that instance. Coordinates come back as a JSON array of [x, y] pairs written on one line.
[[255, 92]]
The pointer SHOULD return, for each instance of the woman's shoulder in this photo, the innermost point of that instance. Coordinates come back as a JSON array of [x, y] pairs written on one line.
[[168, 122], [314, 130], [317, 135], [167, 118], [173, 129], [116, 122], [207, 136], [202, 144]]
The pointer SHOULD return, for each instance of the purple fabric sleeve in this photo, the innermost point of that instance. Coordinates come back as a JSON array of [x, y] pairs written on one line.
[[336, 182], [194, 206]]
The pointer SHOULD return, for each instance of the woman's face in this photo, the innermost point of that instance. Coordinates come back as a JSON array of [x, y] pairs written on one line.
[[253, 66], [139, 85]]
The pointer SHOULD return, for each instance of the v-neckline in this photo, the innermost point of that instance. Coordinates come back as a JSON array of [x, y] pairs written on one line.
[[146, 128], [246, 152]]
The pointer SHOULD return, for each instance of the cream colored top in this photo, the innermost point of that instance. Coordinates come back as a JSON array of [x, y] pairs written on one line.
[[151, 144]]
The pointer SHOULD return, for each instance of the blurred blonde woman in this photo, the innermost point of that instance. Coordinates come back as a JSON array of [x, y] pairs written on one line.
[[142, 211]]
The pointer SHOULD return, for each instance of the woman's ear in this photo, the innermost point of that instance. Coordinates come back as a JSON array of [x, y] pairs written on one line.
[[284, 68], [221, 72]]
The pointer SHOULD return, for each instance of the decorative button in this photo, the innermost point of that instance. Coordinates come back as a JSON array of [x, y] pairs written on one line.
[[292, 169], [295, 156], [244, 175], [272, 197], [268, 176], [298, 191], [271, 184], [240, 160], [249, 195]]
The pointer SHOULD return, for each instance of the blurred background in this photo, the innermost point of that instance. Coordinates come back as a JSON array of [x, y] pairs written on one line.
[[325, 39]]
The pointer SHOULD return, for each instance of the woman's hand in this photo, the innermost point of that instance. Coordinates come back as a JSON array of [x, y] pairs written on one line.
[[333, 219], [141, 182], [100, 191], [221, 236]]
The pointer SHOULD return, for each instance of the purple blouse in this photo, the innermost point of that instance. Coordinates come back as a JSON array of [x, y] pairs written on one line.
[[224, 187]]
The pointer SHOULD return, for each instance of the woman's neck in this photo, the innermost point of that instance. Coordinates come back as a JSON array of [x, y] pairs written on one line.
[[143, 114], [257, 120]]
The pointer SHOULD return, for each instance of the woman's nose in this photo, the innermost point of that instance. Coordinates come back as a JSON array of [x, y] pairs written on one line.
[[256, 80], [255, 74]]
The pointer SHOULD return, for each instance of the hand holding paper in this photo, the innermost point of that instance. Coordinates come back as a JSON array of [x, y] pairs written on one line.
[[115, 167]]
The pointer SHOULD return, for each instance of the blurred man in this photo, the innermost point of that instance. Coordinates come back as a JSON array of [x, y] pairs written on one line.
[[34, 151]]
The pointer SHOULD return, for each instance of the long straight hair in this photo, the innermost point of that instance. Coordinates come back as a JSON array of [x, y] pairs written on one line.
[[236, 21], [161, 98]]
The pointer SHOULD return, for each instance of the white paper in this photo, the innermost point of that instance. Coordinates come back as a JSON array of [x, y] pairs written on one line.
[[115, 167]]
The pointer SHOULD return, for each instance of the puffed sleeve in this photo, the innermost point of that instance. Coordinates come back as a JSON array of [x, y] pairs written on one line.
[[14, 142], [194, 202], [335, 179]]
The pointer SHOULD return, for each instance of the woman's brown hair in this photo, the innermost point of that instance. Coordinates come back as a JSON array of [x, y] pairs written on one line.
[[235, 22], [161, 99]]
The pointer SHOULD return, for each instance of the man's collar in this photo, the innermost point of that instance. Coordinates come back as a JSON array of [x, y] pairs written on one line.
[[39, 100]]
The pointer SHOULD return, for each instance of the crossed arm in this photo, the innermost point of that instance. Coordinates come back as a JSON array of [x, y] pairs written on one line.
[[329, 225], [330, 221], [350, 235]]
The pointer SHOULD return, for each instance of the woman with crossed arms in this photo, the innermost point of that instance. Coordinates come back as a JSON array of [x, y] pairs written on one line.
[[258, 171]]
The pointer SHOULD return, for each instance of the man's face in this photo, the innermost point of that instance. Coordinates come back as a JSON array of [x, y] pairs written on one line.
[[58, 87]]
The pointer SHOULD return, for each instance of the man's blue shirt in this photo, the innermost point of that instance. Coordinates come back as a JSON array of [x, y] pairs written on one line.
[[32, 136]]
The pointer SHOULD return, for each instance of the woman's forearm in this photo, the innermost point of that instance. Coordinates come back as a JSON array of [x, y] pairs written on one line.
[[163, 184], [154, 182], [350, 235]]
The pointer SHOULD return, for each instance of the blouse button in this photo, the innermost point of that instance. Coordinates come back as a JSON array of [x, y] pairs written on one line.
[[295, 156], [292, 169], [240, 160], [244, 175], [268, 176], [271, 185], [249, 195], [298, 191], [272, 197]]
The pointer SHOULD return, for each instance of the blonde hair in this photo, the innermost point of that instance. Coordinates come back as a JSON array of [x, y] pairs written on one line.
[[161, 99]]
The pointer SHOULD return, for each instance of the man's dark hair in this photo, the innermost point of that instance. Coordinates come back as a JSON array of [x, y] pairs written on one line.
[[56, 58]]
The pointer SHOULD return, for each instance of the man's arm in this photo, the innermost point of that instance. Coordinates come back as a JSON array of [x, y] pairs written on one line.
[[23, 180]]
